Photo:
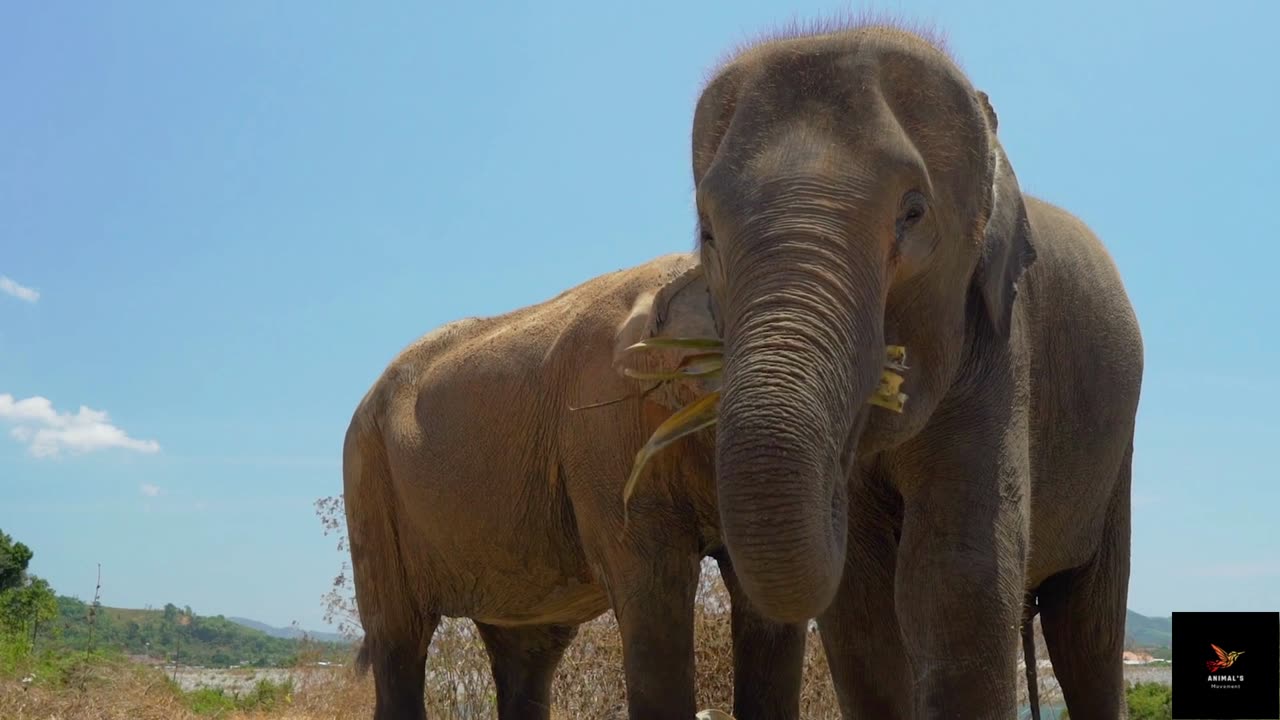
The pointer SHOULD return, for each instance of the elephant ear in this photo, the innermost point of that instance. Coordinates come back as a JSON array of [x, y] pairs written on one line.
[[678, 308], [1007, 251]]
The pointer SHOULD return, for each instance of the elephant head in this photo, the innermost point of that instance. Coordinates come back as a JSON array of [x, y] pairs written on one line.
[[679, 307], [851, 194]]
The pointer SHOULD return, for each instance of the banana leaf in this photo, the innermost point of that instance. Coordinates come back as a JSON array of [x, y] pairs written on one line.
[[708, 365], [895, 357], [704, 412], [677, 344], [697, 415], [887, 393]]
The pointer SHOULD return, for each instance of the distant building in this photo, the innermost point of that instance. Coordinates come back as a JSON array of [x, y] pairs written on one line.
[[1137, 658]]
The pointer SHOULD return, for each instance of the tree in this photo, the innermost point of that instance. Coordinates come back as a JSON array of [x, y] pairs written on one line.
[[23, 609], [340, 602], [25, 600], [14, 558]]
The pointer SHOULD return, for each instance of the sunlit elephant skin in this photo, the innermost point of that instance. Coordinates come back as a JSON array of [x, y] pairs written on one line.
[[852, 193], [474, 490]]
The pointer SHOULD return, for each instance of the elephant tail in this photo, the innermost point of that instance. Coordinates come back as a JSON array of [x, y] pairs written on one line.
[[1029, 610], [362, 658]]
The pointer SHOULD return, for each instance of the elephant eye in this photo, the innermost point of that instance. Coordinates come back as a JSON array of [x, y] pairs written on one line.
[[914, 207], [705, 236]]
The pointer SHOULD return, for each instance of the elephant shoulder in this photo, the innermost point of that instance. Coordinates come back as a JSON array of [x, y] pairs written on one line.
[[1066, 239], [437, 359], [1073, 263], [1055, 229], [1076, 297]]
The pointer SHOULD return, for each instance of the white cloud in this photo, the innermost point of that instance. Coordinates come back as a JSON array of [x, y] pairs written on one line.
[[149, 490], [47, 432], [11, 287]]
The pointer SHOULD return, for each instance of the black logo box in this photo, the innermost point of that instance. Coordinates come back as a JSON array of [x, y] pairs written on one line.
[[1254, 697]]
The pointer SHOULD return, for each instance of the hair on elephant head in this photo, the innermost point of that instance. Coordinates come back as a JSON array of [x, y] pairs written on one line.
[[851, 194]]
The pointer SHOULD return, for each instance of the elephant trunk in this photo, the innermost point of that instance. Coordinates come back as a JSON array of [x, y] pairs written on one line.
[[804, 348]]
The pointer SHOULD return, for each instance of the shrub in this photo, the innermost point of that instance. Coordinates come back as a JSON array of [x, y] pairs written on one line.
[[1150, 701], [267, 695], [210, 701]]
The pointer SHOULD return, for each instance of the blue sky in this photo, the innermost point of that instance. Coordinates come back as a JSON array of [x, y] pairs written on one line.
[[219, 221]]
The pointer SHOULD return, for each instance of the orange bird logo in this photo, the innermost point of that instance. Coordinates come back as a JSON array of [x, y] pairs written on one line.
[[1225, 659]]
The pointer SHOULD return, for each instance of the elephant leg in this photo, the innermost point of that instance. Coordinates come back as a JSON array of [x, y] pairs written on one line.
[[768, 657], [655, 615], [1083, 617], [959, 591], [399, 671], [860, 632], [652, 579], [524, 660]]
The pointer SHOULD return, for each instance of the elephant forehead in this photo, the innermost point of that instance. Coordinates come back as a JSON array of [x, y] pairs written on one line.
[[801, 148], [831, 106], [839, 155]]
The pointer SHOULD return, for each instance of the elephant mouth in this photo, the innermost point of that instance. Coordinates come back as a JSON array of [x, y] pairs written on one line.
[[707, 365]]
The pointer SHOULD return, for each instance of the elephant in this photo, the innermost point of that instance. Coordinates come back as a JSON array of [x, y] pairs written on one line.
[[852, 193], [482, 477]]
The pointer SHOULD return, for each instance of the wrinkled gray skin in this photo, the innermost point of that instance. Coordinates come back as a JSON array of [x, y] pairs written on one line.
[[852, 193]]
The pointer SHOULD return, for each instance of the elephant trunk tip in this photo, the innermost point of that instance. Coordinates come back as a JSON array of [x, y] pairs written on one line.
[[791, 564], [797, 603]]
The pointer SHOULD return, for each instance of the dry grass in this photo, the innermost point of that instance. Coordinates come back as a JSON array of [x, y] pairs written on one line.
[[96, 691], [589, 682]]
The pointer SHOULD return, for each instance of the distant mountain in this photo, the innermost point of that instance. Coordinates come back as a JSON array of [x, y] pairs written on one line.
[[288, 633], [174, 634], [1148, 632], [1142, 631]]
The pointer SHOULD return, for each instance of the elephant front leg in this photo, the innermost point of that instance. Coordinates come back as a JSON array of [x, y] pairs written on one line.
[[654, 608], [860, 633], [768, 657], [959, 589], [652, 576]]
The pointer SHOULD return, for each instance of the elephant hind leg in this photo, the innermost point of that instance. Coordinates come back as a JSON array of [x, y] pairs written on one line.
[[524, 660], [393, 610], [1083, 616], [399, 670]]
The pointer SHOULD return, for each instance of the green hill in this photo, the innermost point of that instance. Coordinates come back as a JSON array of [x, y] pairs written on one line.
[[289, 632], [163, 635], [1149, 633]]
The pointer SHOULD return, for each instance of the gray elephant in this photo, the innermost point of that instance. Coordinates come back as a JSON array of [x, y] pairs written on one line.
[[852, 194], [480, 484]]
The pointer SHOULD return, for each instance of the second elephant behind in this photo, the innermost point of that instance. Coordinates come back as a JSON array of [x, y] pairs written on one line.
[[474, 490]]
